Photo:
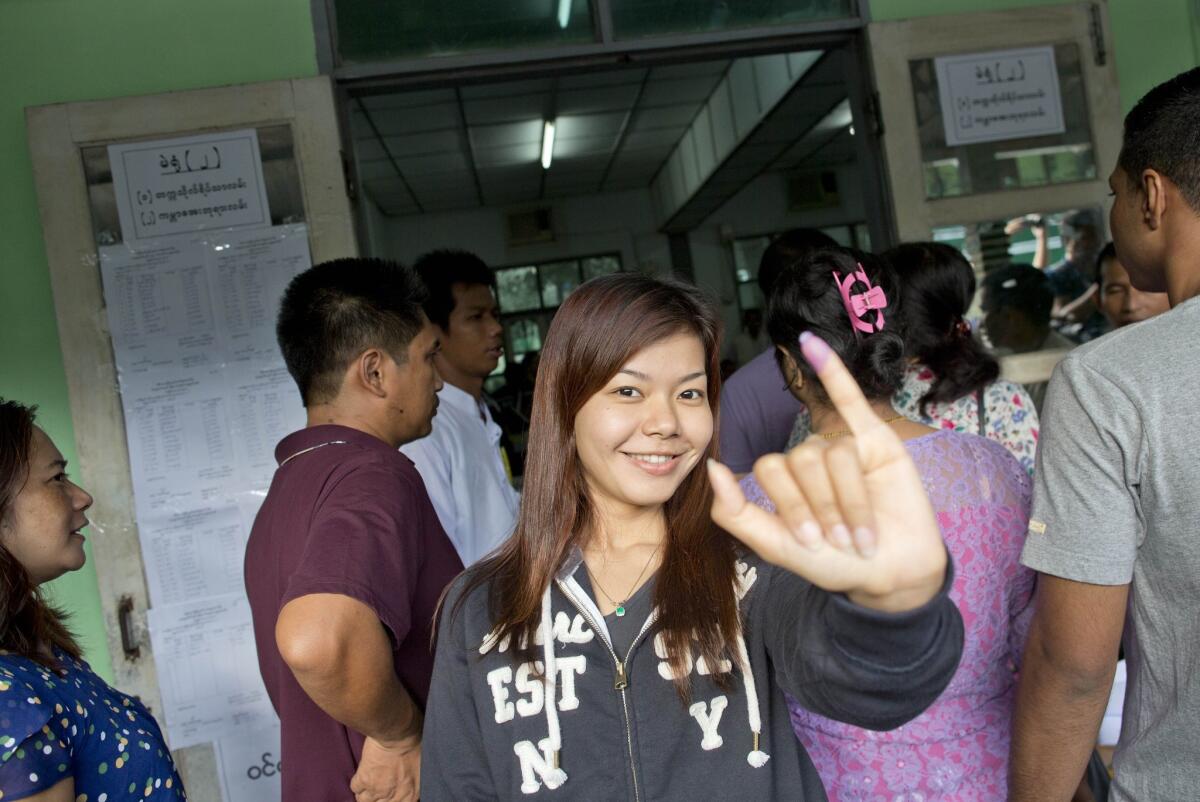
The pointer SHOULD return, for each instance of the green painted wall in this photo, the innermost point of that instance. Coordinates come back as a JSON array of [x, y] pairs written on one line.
[[62, 50], [1153, 39]]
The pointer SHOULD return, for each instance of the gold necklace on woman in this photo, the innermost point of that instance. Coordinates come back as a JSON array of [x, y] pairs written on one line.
[[620, 605], [844, 432]]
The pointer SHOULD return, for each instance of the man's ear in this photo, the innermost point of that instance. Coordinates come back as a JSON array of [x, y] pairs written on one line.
[[1153, 198], [369, 371]]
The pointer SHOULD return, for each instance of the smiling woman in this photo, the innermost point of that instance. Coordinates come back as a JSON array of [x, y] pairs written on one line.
[[622, 637], [58, 732]]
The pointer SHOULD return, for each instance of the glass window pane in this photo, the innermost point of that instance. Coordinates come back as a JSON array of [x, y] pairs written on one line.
[[517, 288], [1012, 163], [750, 296], [746, 254], [372, 30], [841, 235], [559, 279], [524, 336], [636, 18], [600, 266]]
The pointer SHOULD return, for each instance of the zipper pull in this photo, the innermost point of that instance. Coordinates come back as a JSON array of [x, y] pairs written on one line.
[[622, 681]]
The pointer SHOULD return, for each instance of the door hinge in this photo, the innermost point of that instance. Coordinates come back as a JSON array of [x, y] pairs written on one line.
[[1096, 29]]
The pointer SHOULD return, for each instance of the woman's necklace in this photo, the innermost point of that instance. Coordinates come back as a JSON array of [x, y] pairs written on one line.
[[844, 432], [620, 605]]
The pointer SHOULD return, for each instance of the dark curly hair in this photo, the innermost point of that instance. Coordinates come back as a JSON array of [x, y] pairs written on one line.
[[937, 286], [806, 298]]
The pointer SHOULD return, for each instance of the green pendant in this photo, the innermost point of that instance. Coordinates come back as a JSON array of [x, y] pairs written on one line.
[[620, 611]]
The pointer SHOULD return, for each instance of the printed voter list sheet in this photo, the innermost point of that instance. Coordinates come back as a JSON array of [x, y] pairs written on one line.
[[208, 670]]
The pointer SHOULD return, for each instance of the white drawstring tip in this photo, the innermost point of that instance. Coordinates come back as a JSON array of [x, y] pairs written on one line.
[[757, 758], [554, 778]]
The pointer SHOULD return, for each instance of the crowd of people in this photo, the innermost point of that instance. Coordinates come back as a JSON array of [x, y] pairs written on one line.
[[865, 568]]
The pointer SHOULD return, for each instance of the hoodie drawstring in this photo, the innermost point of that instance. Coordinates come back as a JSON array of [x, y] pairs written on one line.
[[556, 776], [757, 758]]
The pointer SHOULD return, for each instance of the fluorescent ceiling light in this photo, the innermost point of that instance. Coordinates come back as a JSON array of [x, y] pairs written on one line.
[[564, 13], [547, 144]]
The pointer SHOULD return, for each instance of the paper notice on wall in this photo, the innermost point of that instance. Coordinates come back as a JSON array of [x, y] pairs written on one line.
[[249, 764], [188, 184], [208, 670], [205, 394], [999, 95]]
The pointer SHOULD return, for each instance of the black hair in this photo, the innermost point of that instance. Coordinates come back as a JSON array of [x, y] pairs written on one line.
[[1162, 133], [334, 311], [28, 623], [1107, 253], [786, 249], [937, 285], [441, 270], [1020, 287], [806, 298]]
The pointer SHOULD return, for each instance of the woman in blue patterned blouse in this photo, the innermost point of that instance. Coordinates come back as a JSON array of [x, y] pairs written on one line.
[[65, 734]]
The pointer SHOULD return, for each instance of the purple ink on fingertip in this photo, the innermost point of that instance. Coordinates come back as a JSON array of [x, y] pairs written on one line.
[[815, 350]]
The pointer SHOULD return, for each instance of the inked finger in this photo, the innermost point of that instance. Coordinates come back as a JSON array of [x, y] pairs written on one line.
[[846, 474], [807, 465], [775, 478]]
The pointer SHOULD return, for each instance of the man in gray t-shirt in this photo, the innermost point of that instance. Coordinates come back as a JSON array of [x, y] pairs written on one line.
[[1115, 527]]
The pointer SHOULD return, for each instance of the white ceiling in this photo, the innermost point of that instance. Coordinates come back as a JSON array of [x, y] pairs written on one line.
[[451, 148]]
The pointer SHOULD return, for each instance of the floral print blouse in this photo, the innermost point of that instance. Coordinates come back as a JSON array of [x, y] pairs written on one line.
[[1010, 420]]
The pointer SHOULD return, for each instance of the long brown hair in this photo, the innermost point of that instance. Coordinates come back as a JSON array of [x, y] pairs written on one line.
[[598, 329], [27, 622]]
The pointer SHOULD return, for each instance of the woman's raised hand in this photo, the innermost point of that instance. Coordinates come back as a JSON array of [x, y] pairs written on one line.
[[851, 514]]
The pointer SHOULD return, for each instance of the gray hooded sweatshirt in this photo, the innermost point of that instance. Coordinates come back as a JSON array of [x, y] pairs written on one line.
[[608, 726]]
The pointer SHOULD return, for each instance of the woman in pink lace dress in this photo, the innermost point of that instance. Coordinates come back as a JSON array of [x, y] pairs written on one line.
[[958, 749]]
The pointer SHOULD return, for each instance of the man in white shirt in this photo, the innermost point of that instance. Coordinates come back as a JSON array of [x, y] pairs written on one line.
[[461, 461]]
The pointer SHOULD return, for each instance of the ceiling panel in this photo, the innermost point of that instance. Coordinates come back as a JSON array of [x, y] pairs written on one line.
[[532, 86], [504, 109], [615, 129], [426, 97], [509, 155], [664, 117], [397, 121], [566, 150], [505, 134], [588, 125], [422, 143], [664, 92], [601, 98], [433, 163], [381, 168]]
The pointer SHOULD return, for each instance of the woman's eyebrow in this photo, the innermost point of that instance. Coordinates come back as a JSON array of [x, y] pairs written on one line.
[[639, 375]]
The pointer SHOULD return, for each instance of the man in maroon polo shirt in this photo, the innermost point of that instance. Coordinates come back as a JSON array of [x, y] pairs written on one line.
[[346, 560]]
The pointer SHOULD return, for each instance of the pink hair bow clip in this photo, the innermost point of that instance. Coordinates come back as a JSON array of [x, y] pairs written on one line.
[[859, 304]]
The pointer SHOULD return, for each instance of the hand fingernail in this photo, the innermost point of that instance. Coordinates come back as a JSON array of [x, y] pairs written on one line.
[[810, 535], [865, 540], [841, 536], [815, 350]]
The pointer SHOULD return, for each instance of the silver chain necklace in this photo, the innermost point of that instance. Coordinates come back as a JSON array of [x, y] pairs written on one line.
[[314, 448]]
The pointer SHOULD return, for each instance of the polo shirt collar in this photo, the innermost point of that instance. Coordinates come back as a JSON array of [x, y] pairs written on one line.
[[316, 436]]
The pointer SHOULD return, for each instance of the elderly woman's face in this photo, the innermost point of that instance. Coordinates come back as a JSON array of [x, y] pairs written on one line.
[[42, 527]]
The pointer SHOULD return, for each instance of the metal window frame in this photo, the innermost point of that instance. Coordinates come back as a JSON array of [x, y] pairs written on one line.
[[605, 50]]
